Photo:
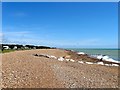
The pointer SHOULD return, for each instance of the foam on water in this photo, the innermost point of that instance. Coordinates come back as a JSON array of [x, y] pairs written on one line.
[[82, 53], [105, 58], [111, 54]]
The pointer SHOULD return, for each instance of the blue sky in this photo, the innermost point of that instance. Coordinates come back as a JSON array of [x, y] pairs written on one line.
[[84, 25]]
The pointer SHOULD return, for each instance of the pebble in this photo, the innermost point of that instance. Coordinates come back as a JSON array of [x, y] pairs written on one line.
[[12, 71], [83, 71]]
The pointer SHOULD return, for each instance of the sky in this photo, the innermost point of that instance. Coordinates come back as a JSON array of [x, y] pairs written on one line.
[[65, 24]]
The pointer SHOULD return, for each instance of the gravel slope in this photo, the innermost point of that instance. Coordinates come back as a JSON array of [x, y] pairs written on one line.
[[21, 69]]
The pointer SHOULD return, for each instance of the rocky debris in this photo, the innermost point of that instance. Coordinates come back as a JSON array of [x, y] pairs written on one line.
[[53, 57], [80, 62], [65, 58], [89, 62], [100, 63], [60, 59], [41, 55], [84, 58], [115, 65], [72, 60]]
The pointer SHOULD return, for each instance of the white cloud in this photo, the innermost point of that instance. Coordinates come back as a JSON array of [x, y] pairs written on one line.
[[28, 38], [24, 37], [41, 37]]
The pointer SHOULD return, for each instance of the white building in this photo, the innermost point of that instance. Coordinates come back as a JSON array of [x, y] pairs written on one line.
[[15, 47], [6, 47]]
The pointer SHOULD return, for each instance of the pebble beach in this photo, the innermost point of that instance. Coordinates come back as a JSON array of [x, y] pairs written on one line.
[[55, 68]]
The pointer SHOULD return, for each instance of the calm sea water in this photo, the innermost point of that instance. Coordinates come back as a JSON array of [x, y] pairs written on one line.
[[112, 53]]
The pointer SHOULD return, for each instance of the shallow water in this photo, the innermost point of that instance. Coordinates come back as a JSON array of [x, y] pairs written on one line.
[[112, 53]]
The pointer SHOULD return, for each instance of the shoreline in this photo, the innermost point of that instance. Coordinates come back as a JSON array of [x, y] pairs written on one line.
[[75, 55], [44, 68], [87, 57]]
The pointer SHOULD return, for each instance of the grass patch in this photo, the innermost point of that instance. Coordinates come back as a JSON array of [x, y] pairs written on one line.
[[6, 51], [11, 50]]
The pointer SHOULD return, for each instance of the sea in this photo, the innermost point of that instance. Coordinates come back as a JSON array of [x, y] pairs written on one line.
[[110, 52]]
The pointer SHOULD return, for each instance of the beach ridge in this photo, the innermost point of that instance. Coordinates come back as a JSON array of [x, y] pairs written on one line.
[[24, 69]]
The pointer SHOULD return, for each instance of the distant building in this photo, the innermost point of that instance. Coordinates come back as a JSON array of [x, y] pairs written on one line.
[[6, 47], [30, 46], [20, 47], [15, 47], [26, 47], [34, 47]]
